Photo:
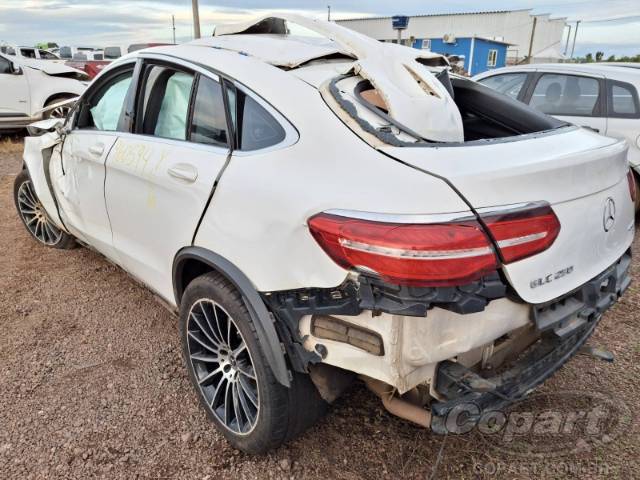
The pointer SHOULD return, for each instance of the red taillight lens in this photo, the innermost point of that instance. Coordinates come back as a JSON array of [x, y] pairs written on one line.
[[407, 254], [632, 186], [523, 233]]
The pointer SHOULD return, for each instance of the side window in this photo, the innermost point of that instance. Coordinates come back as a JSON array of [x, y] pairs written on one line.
[[509, 83], [623, 100], [166, 102], [47, 55], [105, 107], [255, 127], [5, 66], [492, 58], [28, 52], [573, 95], [209, 124]]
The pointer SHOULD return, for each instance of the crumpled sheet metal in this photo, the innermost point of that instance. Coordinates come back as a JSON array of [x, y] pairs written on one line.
[[273, 50], [414, 96]]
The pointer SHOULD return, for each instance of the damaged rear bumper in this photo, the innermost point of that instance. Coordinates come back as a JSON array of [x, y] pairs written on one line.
[[565, 324]]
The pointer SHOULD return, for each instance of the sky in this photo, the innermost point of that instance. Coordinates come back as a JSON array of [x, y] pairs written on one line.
[[612, 26]]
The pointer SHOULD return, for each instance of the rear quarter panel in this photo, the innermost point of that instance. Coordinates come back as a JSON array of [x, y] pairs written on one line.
[[258, 216]]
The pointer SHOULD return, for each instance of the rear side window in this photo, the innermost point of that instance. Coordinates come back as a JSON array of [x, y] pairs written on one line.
[[573, 95], [255, 127], [509, 83], [209, 124], [623, 100], [28, 52], [47, 55], [65, 52], [166, 102]]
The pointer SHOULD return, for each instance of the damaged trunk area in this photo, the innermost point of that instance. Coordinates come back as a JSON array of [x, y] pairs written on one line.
[[485, 114]]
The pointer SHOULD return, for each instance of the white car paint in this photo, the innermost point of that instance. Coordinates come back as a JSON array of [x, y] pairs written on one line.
[[26, 90], [138, 199], [622, 128]]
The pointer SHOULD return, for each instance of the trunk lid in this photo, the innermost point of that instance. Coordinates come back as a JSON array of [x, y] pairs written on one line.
[[579, 173]]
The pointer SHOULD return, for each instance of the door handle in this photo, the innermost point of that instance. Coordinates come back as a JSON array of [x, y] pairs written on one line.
[[97, 150], [184, 171]]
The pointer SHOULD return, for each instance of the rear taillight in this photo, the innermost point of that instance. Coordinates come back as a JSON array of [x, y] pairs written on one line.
[[522, 233], [434, 254], [441, 254], [632, 186]]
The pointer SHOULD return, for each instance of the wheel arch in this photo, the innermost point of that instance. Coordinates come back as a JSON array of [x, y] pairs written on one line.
[[191, 262], [58, 96]]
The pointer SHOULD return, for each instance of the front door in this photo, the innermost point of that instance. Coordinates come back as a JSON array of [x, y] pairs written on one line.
[[78, 180], [14, 91], [160, 178]]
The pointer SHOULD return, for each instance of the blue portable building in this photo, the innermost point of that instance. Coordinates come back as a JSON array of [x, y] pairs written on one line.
[[480, 54]]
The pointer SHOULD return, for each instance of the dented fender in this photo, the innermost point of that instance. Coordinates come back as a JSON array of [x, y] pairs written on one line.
[[38, 153]]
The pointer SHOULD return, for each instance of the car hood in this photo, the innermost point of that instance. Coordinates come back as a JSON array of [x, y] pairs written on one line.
[[55, 69]]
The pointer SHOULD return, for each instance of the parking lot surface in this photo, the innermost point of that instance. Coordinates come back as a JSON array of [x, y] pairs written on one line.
[[92, 384]]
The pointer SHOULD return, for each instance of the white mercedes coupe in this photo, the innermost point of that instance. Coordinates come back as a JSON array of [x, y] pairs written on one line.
[[325, 208]]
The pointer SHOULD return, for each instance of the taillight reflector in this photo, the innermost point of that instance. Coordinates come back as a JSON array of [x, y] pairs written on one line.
[[523, 233], [442, 254]]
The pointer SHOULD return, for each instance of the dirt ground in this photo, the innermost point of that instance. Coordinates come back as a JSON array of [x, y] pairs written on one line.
[[92, 385]]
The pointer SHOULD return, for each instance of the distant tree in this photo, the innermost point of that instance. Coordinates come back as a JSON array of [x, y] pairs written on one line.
[[588, 58], [599, 56], [612, 58]]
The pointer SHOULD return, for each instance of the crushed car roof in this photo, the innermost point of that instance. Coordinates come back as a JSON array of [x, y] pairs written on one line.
[[286, 51], [402, 76]]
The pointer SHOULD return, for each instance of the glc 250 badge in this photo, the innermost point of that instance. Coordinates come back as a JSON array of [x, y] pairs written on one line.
[[538, 282]]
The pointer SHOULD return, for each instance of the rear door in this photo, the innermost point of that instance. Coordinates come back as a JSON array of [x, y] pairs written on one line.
[[160, 177], [575, 98]]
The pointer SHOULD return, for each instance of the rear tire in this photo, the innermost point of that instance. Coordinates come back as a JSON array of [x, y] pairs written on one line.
[[223, 354], [35, 218]]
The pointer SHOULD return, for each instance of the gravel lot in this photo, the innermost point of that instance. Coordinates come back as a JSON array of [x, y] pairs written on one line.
[[92, 385]]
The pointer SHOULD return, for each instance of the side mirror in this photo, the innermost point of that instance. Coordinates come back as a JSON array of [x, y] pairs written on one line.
[[16, 69]]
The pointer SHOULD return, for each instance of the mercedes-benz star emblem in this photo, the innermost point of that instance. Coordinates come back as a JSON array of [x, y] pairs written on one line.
[[609, 216]]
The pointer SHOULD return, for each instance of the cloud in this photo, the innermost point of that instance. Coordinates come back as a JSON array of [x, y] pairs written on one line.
[[97, 22]]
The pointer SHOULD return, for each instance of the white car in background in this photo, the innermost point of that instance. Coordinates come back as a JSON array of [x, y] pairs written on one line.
[[601, 96], [28, 53], [33, 90], [322, 209]]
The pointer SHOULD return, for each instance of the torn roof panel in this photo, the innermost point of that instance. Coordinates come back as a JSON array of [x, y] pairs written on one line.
[[414, 96], [279, 50]]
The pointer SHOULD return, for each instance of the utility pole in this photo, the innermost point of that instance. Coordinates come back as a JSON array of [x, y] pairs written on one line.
[[173, 23], [328, 13], [533, 33], [575, 35], [196, 19], [566, 47]]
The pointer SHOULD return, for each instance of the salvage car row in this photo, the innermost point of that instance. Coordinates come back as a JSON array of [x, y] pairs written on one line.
[[322, 210]]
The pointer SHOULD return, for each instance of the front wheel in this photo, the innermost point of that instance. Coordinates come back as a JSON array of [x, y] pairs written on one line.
[[60, 112], [231, 375], [35, 218]]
